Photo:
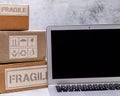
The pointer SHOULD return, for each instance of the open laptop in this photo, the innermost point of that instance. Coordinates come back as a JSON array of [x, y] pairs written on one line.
[[84, 60]]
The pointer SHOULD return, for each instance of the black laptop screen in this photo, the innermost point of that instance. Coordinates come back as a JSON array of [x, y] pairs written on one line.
[[85, 53]]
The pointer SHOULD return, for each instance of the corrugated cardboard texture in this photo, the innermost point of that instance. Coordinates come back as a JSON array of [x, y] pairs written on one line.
[[5, 46], [13, 20], [18, 65]]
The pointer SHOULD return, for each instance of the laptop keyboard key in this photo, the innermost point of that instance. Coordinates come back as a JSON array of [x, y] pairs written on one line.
[[70, 88], [84, 88], [59, 89], [95, 87], [76, 88], [117, 86], [64, 88], [102, 87], [111, 87]]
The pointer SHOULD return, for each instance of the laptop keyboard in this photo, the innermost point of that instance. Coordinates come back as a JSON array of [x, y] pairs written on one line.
[[87, 87]]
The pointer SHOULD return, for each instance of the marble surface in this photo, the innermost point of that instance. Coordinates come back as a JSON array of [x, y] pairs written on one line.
[[44, 13], [37, 92]]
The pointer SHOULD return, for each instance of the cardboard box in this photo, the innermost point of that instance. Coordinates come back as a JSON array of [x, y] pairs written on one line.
[[14, 17], [23, 76], [19, 46]]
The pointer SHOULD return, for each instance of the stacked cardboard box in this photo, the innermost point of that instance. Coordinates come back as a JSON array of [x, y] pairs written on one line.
[[14, 17], [22, 52], [23, 76]]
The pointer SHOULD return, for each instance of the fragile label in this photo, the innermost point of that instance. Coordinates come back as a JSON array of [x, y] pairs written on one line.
[[14, 10], [22, 47], [25, 77]]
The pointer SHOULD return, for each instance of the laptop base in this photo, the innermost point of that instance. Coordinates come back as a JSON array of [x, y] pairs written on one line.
[[53, 92]]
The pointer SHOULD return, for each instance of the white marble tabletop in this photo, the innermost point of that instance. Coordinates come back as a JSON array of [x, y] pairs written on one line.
[[37, 92]]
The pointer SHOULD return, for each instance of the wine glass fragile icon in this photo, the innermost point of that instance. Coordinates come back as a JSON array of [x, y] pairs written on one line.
[[32, 40]]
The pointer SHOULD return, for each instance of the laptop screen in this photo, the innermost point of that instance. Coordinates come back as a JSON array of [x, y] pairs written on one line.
[[85, 53]]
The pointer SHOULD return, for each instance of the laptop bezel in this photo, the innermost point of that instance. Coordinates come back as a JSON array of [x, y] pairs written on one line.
[[76, 80]]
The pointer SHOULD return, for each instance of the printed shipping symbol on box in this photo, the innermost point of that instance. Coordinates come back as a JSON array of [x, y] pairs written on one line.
[[23, 46]]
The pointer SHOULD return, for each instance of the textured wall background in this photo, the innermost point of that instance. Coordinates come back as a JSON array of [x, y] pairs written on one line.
[[70, 12]]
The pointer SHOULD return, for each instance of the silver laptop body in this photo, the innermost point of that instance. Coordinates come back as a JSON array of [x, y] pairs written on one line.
[[83, 56]]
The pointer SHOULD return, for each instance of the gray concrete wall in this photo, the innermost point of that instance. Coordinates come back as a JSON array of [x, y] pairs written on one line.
[[70, 12]]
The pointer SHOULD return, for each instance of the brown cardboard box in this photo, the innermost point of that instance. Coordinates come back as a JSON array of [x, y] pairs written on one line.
[[19, 46], [14, 17], [23, 76]]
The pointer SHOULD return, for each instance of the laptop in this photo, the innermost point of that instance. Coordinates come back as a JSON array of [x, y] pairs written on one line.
[[83, 60]]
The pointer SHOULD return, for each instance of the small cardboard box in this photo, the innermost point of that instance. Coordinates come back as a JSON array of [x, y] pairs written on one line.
[[19, 46], [23, 76], [14, 17]]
